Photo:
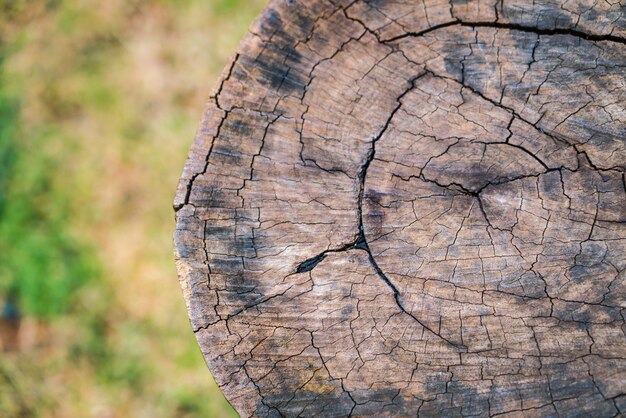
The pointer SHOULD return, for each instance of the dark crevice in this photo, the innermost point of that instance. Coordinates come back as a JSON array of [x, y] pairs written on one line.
[[554, 31], [311, 263], [230, 73], [206, 164], [515, 115], [513, 26], [519, 147], [423, 32], [216, 98], [360, 242]]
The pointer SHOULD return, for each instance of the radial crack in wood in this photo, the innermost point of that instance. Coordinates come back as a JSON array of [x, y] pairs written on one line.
[[400, 208]]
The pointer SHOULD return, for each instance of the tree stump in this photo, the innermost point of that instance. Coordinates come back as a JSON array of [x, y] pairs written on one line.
[[399, 208]]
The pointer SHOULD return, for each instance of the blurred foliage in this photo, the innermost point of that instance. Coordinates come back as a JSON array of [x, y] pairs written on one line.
[[99, 102], [42, 266]]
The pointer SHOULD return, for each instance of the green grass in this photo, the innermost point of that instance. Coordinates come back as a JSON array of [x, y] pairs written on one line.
[[42, 264], [99, 102]]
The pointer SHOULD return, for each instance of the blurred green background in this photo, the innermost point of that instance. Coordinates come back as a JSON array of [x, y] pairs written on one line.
[[99, 102]]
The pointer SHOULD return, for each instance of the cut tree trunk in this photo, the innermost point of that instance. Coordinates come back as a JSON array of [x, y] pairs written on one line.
[[399, 208]]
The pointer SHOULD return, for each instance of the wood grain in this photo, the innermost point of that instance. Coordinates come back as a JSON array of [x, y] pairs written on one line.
[[401, 208]]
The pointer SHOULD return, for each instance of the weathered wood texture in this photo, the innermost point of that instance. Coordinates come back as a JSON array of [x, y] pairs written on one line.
[[414, 208]]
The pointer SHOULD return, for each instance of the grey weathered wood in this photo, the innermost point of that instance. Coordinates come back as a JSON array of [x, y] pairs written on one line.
[[414, 208]]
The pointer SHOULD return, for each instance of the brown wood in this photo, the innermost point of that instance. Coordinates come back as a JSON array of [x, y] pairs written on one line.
[[399, 208]]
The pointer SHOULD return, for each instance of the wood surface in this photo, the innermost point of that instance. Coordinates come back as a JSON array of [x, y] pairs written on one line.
[[414, 208]]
